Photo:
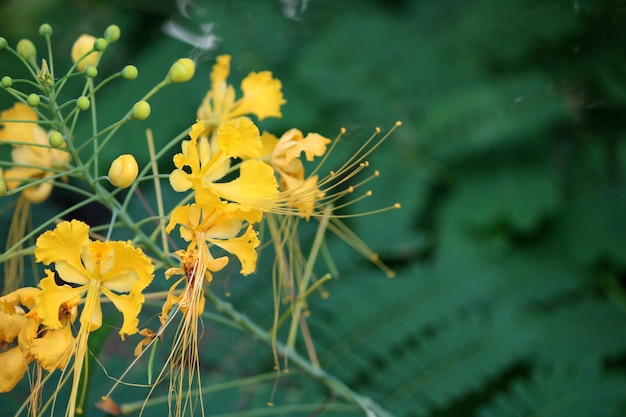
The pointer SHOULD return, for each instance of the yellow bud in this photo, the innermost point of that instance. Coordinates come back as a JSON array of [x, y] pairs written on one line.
[[123, 171], [181, 71], [84, 44], [26, 49]]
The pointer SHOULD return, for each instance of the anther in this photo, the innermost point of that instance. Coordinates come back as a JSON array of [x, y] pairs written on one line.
[[377, 173], [397, 206]]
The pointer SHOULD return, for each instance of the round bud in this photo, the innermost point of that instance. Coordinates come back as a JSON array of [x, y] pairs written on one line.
[[6, 81], [3, 187], [83, 103], [55, 139], [130, 72], [26, 49], [3, 43], [181, 71], [33, 100], [83, 45], [112, 33], [100, 44], [45, 30], [123, 171], [91, 72], [141, 110]]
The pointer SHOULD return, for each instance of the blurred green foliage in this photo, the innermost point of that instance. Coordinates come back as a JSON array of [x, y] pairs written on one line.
[[510, 248]]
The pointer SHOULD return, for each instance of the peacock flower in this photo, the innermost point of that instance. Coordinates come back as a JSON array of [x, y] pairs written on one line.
[[262, 96], [115, 270], [34, 159], [199, 169], [284, 156], [92, 268]]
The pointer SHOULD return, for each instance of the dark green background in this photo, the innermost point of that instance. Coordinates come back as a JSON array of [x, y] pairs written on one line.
[[510, 248]]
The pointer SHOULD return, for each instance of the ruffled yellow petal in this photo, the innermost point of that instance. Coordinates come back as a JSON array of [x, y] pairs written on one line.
[[221, 69], [132, 270], [11, 325], [51, 298], [243, 248], [18, 131], [130, 306], [25, 296], [54, 349], [13, 366], [256, 187], [262, 96], [26, 337], [62, 246], [269, 143], [239, 138]]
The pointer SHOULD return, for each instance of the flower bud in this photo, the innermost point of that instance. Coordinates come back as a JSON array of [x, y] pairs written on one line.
[[55, 139], [6, 81], [91, 72], [3, 187], [26, 49], [123, 171], [181, 71], [33, 100], [141, 110], [83, 45], [130, 72], [3, 43], [83, 103], [45, 30], [112, 33]]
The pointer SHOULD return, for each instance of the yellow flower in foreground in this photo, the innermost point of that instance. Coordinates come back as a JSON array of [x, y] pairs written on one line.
[[81, 46], [34, 159], [94, 268], [262, 96]]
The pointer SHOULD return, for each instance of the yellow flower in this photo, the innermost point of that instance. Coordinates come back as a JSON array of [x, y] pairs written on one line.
[[284, 156], [262, 96], [34, 159], [198, 169], [81, 46], [93, 267]]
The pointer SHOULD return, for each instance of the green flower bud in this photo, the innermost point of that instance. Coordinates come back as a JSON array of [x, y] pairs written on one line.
[[130, 72], [83, 103], [91, 72], [100, 44], [123, 171], [3, 187], [3, 43], [6, 81], [141, 110], [45, 30], [181, 71], [26, 49], [112, 33], [55, 139], [33, 100]]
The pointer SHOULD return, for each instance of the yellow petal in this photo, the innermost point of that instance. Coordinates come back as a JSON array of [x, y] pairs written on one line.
[[132, 270], [11, 325], [51, 298], [239, 138], [18, 131], [130, 306], [12, 368], [81, 46], [256, 186], [62, 246], [262, 96], [180, 181], [54, 349], [269, 142], [24, 296], [243, 248], [98, 258]]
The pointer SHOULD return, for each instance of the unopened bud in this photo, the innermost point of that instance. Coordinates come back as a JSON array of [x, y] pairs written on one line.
[[141, 110], [45, 30], [123, 171], [3, 187], [6, 81], [55, 139], [130, 72], [91, 72], [26, 49], [83, 103], [3, 43], [112, 33], [33, 100], [181, 71], [83, 45]]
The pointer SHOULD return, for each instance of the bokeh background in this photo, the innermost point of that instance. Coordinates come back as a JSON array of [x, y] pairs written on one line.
[[510, 247]]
